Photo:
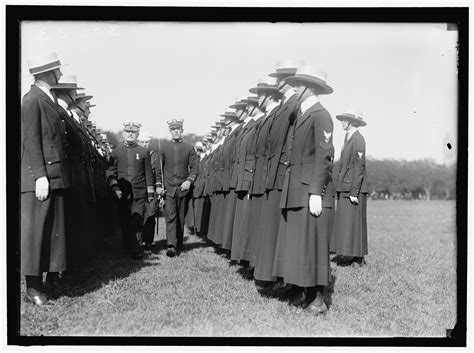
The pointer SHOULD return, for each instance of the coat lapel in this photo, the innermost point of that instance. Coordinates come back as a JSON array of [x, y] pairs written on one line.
[[44, 97], [299, 121]]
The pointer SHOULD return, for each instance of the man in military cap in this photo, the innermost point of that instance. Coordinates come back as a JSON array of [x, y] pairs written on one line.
[[130, 178], [179, 168], [45, 175]]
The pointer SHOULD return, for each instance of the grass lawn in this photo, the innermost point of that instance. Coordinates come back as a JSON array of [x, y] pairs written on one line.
[[407, 288]]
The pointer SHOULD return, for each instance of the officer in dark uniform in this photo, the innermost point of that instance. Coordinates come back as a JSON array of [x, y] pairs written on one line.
[[179, 169], [130, 177], [45, 175]]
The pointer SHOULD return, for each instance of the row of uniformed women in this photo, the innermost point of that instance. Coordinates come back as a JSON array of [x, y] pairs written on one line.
[[265, 191], [63, 191]]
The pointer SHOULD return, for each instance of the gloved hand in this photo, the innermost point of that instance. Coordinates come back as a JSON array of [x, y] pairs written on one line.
[[354, 200], [42, 188], [315, 205], [160, 191], [117, 192], [185, 185]]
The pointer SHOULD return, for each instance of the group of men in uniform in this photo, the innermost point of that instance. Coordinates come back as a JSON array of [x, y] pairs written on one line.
[[65, 200]]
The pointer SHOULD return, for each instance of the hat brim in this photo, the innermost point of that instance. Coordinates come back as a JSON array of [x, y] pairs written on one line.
[[65, 87], [48, 69], [351, 119], [238, 105], [83, 98], [283, 73], [321, 86], [255, 90], [92, 105]]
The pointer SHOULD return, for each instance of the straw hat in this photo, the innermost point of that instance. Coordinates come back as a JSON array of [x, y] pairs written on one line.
[[82, 97], [265, 84], [40, 64], [287, 67], [252, 100], [309, 76], [67, 82], [355, 117], [239, 103]]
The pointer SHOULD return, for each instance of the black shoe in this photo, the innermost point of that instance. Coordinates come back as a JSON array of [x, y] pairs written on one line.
[[290, 292], [359, 261], [171, 252], [300, 298], [36, 297], [147, 246], [345, 261]]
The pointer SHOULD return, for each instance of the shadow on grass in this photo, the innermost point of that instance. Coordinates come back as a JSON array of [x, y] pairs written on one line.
[[109, 264], [329, 290]]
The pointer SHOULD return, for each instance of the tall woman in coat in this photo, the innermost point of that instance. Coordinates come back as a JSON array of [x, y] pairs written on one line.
[[349, 237], [307, 199]]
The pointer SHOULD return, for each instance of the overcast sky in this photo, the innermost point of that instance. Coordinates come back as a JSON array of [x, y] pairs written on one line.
[[401, 76]]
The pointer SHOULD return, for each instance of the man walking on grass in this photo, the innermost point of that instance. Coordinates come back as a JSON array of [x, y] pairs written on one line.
[[179, 166]]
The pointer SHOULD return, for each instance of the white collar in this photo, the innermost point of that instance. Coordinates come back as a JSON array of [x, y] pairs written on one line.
[[232, 129], [288, 94], [350, 133], [308, 103], [45, 88], [63, 104], [257, 116], [246, 120], [270, 107], [75, 115]]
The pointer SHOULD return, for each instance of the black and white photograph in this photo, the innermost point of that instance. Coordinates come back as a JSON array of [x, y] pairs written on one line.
[[180, 176]]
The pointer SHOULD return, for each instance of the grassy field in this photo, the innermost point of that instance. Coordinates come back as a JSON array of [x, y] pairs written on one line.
[[407, 288]]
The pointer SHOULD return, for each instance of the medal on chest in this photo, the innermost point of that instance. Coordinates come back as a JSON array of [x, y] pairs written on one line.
[[138, 156]]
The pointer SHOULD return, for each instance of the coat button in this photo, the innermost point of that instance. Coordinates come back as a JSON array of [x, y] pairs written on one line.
[[49, 162]]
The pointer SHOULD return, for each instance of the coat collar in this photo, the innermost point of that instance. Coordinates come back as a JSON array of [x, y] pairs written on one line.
[[356, 132], [43, 96], [301, 118]]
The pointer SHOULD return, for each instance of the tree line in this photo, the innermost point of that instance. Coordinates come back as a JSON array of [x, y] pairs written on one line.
[[386, 178]]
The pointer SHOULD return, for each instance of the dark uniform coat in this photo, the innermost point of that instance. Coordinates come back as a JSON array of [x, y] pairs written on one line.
[[349, 237], [180, 162], [43, 144], [302, 249]]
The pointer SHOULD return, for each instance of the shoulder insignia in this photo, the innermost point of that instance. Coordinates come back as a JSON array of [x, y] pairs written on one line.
[[327, 136], [360, 154]]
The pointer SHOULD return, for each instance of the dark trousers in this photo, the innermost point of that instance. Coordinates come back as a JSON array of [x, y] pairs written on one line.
[[43, 235], [175, 211], [131, 219], [148, 232]]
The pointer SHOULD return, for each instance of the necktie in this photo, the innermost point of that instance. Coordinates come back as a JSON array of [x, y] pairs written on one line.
[[345, 138]]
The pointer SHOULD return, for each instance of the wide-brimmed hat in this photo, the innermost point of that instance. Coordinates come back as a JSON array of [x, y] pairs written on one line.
[[312, 77], [239, 103], [266, 84], [89, 105], [67, 82], [355, 117], [82, 97], [252, 100], [287, 67], [132, 125], [230, 116], [40, 64]]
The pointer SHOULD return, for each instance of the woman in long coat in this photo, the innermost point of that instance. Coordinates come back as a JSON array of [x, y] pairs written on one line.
[[307, 200], [349, 238]]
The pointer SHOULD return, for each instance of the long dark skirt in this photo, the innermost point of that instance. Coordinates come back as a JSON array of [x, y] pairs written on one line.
[[43, 235], [228, 224], [302, 249], [220, 200], [349, 237], [222, 218], [267, 233], [189, 219], [216, 208], [249, 239], [198, 208], [206, 209], [239, 227]]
